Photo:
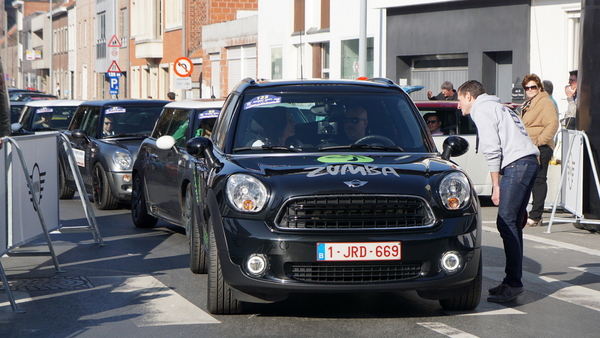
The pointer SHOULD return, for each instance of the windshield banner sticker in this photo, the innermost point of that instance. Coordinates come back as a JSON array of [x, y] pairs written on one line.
[[44, 110], [344, 159], [262, 100], [343, 169], [114, 110], [207, 114]]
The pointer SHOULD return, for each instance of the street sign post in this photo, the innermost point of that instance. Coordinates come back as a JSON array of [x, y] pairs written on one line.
[[114, 85]]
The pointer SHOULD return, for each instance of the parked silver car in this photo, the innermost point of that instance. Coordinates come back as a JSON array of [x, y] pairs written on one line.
[[105, 136]]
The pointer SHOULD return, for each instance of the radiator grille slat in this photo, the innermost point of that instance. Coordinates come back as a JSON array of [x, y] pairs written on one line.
[[353, 273], [354, 212]]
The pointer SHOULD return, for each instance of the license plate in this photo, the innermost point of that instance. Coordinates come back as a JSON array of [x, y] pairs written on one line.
[[371, 251]]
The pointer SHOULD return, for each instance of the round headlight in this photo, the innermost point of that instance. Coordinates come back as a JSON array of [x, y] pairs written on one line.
[[122, 160], [455, 191], [246, 193]]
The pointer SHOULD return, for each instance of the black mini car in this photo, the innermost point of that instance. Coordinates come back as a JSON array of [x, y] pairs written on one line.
[[105, 136], [322, 186]]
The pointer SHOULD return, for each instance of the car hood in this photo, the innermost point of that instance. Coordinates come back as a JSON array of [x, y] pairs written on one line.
[[132, 145], [413, 174]]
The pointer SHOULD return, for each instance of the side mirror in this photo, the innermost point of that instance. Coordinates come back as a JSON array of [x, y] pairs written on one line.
[[454, 146], [80, 134], [16, 127], [202, 147], [165, 142]]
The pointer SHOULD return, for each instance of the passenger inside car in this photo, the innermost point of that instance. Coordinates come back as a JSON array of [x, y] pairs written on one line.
[[273, 126], [44, 120], [434, 123]]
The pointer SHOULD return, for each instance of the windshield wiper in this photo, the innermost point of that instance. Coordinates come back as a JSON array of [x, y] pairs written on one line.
[[267, 147], [362, 146]]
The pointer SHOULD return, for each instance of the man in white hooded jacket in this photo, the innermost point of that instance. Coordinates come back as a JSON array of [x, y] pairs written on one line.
[[509, 151]]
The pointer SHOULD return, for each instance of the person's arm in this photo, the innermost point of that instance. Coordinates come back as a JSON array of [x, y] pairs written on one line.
[[495, 187], [550, 123]]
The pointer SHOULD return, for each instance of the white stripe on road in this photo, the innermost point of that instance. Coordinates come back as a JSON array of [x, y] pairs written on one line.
[[446, 330], [554, 288], [161, 305], [593, 270], [547, 241]]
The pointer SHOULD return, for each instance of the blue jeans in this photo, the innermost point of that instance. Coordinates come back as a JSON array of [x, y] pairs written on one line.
[[515, 189]]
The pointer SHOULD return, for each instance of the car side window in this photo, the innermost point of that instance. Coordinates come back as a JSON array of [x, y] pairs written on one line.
[[223, 122], [89, 121], [178, 126], [467, 126]]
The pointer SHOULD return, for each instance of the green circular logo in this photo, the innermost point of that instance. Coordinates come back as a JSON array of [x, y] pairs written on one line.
[[344, 159]]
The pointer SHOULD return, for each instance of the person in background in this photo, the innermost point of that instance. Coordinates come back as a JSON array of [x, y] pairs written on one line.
[[570, 119], [549, 88], [355, 122], [540, 118], [57, 90], [448, 93], [433, 123], [506, 146], [171, 96]]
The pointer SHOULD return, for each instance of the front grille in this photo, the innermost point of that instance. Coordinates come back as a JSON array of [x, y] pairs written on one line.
[[354, 212], [355, 272]]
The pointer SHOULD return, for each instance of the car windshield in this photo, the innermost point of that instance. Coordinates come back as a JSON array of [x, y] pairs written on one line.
[[323, 122], [129, 121]]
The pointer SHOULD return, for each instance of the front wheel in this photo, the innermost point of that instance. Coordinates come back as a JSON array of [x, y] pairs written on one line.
[[65, 193], [102, 193], [220, 299], [469, 300], [139, 211], [198, 257]]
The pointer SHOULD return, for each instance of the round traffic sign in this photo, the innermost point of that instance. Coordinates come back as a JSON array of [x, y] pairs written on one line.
[[183, 67]]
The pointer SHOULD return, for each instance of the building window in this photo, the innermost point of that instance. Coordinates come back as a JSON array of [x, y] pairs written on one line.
[[298, 16], [123, 26], [573, 31], [101, 36], [276, 63], [241, 63], [350, 58], [320, 62]]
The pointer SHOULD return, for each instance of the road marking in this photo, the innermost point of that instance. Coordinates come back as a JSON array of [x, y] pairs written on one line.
[[554, 288], [446, 330], [487, 309], [593, 270], [160, 304], [558, 244]]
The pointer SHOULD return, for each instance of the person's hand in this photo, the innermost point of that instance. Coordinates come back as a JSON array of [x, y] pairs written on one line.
[[570, 92], [496, 195], [429, 94], [0, 143]]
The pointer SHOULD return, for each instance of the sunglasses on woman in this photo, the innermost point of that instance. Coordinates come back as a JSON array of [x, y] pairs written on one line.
[[534, 87]]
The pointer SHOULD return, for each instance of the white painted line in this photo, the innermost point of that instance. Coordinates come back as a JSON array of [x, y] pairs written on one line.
[[554, 288], [558, 244], [161, 305], [487, 309], [593, 270], [446, 330]]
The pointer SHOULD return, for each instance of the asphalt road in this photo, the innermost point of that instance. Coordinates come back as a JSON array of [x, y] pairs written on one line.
[[138, 285]]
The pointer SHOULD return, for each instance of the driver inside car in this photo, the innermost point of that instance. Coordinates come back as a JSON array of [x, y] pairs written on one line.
[[355, 123]]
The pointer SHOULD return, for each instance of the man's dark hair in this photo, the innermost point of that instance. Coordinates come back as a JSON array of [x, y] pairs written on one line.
[[428, 115], [472, 86], [171, 95], [573, 72]]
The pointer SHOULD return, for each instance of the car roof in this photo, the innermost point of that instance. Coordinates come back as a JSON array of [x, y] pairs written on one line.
[[319, 84], [54, 103], [199, 103], [124, 102], [436, 104]]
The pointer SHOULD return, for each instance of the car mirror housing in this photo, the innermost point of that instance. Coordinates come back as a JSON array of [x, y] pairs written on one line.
[[454, 146], [202, 147], [79, 134], [165, 142], [16, 127]]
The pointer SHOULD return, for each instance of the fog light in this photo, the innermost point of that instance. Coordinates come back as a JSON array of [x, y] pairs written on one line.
[[256, 265], [451, 262]]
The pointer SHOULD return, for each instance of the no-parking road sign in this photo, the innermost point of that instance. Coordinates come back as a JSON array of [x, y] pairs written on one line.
[[183, 67]]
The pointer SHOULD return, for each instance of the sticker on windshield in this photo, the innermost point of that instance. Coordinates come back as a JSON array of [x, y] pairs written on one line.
[[114, 110], [262, 100], [207, 114], [344, 159], [44, 110]]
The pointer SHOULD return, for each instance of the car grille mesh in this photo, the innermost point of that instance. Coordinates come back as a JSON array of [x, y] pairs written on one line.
[[353, 273], [354, 212]]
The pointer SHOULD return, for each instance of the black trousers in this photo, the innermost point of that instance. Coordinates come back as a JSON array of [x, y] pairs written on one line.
[[540, 187]]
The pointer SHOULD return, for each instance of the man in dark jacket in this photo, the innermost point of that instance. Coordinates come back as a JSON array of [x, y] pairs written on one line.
[[4, 107], [448, 93]]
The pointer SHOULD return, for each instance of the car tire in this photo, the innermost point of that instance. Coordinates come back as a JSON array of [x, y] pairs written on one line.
[[469, 300], [139, 212], [220, 299], [65, 193], [198, 257], [102, 193]]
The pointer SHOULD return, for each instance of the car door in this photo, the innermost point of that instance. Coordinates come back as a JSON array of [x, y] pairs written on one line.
[[163, 170], [86, 119]]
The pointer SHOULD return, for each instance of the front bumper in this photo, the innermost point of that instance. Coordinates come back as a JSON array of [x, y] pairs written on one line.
[[293, 255], [121, 184]]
